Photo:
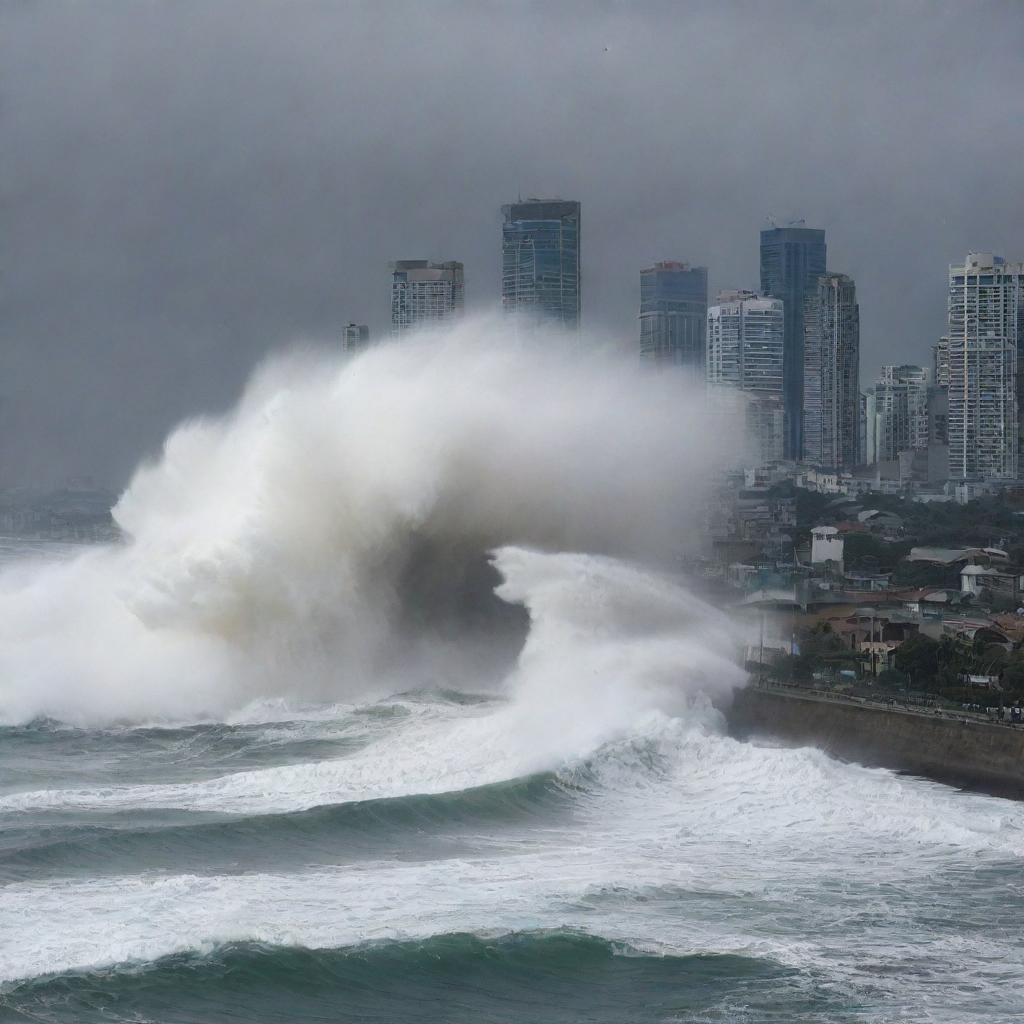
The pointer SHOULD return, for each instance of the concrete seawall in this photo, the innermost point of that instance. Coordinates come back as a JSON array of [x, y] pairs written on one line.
[[975, 755]]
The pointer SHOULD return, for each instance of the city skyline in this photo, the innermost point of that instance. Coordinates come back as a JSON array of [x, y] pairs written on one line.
[[251, 195]]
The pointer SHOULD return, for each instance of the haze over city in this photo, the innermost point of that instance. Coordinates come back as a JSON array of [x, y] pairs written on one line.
[[187, 187]]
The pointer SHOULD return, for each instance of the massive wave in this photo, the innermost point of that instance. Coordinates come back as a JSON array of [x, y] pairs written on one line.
[[299, 799], [331, 536]]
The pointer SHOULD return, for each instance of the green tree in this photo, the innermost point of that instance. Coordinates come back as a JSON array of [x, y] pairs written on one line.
[[918, 656], [1012, 674]]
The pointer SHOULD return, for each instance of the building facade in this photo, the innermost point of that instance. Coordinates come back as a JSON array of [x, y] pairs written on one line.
[[355, 338], [869, 428], [673, 314], [940, 363], [745, 338], [831, 392], [540, 260], [424, 293], [986, 331], [901, 412], [792, 260]]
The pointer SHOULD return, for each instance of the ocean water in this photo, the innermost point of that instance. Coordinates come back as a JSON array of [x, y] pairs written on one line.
[[671, 874], [350, 727]]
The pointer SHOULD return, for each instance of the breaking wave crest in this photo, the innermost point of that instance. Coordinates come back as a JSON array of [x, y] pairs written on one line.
[[563, 974], [328, 538]]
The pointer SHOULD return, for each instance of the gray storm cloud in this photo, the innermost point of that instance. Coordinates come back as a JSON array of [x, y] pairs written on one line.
[[185, 186]]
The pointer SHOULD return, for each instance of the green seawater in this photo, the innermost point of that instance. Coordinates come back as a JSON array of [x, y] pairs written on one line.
[[319, 865]]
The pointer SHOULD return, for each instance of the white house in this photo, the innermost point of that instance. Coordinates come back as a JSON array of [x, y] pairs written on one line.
[[826, 546]]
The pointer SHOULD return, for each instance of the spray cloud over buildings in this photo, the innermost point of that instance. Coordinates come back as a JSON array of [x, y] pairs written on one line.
[[330, 535]]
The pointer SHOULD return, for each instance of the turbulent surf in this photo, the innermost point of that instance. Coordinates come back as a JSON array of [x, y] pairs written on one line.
[[391, 705]]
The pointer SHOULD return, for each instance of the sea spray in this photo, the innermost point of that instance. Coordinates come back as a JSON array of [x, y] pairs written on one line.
[[302, 544], [612, 651], [609, 645]]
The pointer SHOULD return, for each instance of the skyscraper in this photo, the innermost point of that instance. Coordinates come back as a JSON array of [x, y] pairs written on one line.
[[745, 353], [424, 293], [868, 428], [792, 260], [901, 410], [673, 314], [986, 332], [831, 394], [540, 260], [356, 337], [940, 363]]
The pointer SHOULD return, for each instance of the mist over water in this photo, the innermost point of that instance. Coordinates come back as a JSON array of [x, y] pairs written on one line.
[[390, 706], [329, 536]]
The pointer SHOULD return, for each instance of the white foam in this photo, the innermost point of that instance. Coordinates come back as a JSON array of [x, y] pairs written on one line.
[[609, 646], [690, 843], [265, 549]]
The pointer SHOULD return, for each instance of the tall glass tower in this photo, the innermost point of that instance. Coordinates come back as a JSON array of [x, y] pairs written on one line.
[[540, 260], [792, 260], [673, 314], [831, 389]]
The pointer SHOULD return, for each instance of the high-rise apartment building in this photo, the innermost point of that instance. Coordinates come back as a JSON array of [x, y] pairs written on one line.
[[986, 332], [424, 293], [938, 413], [901, 412], [868, 428], [540, 260], [938, 435], [356, 337], [831, 393], [792, 260], [673, 314], [940, 363], [745, 337]]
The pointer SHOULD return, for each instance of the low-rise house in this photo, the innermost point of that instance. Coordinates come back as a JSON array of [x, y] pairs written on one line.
[[1003, 581], [932, 604], [878, 625], [871, 581], [970, 632], [887, 524], [971, 679]]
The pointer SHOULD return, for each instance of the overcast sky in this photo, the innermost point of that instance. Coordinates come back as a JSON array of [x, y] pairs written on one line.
[[187, 185]]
